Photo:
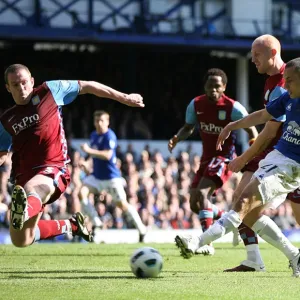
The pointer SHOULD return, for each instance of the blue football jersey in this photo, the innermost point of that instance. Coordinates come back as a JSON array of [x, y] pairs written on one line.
[[105, 169], [289, 142]]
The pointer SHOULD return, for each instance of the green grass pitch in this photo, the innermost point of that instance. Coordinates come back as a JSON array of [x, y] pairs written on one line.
[[89, 271]]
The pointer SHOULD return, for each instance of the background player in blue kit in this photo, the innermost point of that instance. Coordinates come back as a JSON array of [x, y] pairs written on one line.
[[106, 175], [278, 174]]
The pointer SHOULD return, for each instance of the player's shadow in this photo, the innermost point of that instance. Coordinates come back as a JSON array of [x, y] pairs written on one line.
[[71, 277], [89, 272], [68, 254]]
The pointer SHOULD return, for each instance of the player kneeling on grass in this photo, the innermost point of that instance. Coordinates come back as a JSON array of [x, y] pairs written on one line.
[[33, 129], [278, 175]]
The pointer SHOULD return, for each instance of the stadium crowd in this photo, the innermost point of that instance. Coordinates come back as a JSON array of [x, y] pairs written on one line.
[[157, 186]]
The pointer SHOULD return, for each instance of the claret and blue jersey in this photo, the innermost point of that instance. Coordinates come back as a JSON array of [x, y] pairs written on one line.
[[105, 169], [289, 142], [211, 118], [35, 130]]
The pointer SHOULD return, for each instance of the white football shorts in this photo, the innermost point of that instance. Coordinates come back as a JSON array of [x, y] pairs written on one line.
[[278, 175], [114, 186]]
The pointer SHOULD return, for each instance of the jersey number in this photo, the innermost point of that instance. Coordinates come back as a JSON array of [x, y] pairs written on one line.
[[268, 168], [215, 162]]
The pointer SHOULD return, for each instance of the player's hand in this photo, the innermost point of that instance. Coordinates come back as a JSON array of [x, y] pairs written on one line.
[[223, 136], [134, 100], [172, 143], [237, 164], [85, 147]]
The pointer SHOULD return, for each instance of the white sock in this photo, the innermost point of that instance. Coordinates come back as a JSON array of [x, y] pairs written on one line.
[[253, 254], [134, 215], [271, 233], [225, 224]]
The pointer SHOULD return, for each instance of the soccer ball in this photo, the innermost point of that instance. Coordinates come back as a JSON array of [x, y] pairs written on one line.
[[146, 262]]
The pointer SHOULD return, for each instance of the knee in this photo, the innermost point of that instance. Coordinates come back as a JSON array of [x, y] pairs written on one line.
[[122, 205], [194, 205], [83, 192], [21, 243], [241, 203]]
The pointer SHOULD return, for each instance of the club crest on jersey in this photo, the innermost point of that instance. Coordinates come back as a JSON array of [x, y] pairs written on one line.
[[222, 115], [35, 100]]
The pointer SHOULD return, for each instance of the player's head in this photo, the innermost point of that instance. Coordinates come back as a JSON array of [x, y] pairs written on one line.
[[101, 121], [266, 49], [292, 77], [215, 82], [19, 83]]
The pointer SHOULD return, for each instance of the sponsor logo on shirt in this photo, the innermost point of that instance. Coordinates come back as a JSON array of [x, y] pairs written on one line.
[[25, 123], [210, 128], [292, 133], [289, 107]]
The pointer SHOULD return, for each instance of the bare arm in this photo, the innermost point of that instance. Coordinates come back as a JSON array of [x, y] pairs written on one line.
[[3, 157], [258, 117], [183, 133], [261, 143], [101, 90], [102, 154], [252, 132]]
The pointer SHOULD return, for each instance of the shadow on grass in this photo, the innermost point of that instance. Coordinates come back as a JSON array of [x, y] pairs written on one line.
[[85, 277], [89, 272], [64, 254]]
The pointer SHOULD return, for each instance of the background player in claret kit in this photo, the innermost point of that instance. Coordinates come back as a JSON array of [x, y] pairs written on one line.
[[106, 175], [266, 55], [33, 127], [212, 112], [278, 174]]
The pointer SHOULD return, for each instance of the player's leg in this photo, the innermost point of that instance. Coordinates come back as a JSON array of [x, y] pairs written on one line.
[[295, 204], [90, 185], [116, 188], [26, 226], [272, 183], [249, 199], [254, 260], [205, 189]]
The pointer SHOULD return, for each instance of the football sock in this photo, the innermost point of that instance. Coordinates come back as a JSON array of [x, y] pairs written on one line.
[[206, 217], [250, 240], [132, 214], [225, 224], [271, 233], [218, 213], [50, 228], [34, 205], [90, 210]]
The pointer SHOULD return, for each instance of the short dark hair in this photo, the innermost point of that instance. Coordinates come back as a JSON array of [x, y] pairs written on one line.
[[215, 72], [99, 113], [294, 63], [13, 69]]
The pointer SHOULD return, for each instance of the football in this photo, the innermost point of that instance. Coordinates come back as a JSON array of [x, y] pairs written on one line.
[[146, 262]]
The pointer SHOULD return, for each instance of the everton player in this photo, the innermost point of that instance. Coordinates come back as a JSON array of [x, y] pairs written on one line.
[[211, 112], [266, 55], [106, 175], [278, 175], [34, 131]]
